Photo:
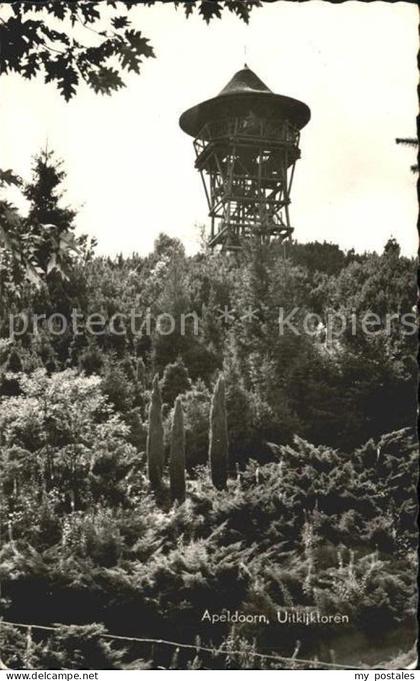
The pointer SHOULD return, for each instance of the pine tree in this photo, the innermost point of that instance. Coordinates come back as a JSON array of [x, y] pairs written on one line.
[[218, 437], [177, 456], [45, 193], [14, 362], [39, 243], [154, 445], [49, 223], [175, 381]]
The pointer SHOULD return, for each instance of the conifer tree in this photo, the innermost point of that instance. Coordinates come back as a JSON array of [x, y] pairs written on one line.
[[14, 362], [218, 437], [45, 193], [175, 381], [154, 445], [177, 455], [50, 223]]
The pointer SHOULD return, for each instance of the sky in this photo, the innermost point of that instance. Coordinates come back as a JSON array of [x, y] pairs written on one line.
[[131, 169]]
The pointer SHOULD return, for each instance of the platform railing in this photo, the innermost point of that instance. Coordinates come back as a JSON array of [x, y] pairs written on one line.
[[247, 128]]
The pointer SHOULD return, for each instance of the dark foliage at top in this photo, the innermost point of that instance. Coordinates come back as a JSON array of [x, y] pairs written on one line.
[[68, 43]]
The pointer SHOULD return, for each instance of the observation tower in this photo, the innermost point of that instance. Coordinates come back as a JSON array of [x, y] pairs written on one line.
[[246, 141]]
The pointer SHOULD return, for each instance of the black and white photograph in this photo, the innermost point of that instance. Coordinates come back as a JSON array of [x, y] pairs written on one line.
[[208, 337]]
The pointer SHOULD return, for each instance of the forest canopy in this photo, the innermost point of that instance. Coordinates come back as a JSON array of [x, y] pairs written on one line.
[[314, 449]]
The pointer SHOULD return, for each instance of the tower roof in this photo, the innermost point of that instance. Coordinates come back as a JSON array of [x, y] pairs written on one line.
[[244, 80], [245, 92]]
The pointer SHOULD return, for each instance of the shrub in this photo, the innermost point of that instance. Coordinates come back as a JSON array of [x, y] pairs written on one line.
[[175, 381], [154, 445], [218, 437], [177, 455]]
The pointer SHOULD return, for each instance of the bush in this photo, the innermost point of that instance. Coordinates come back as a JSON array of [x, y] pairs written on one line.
[[175, 381]]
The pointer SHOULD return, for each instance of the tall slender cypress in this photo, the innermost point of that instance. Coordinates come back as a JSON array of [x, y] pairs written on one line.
[[154, 446], [177, 455], [218, 437]]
